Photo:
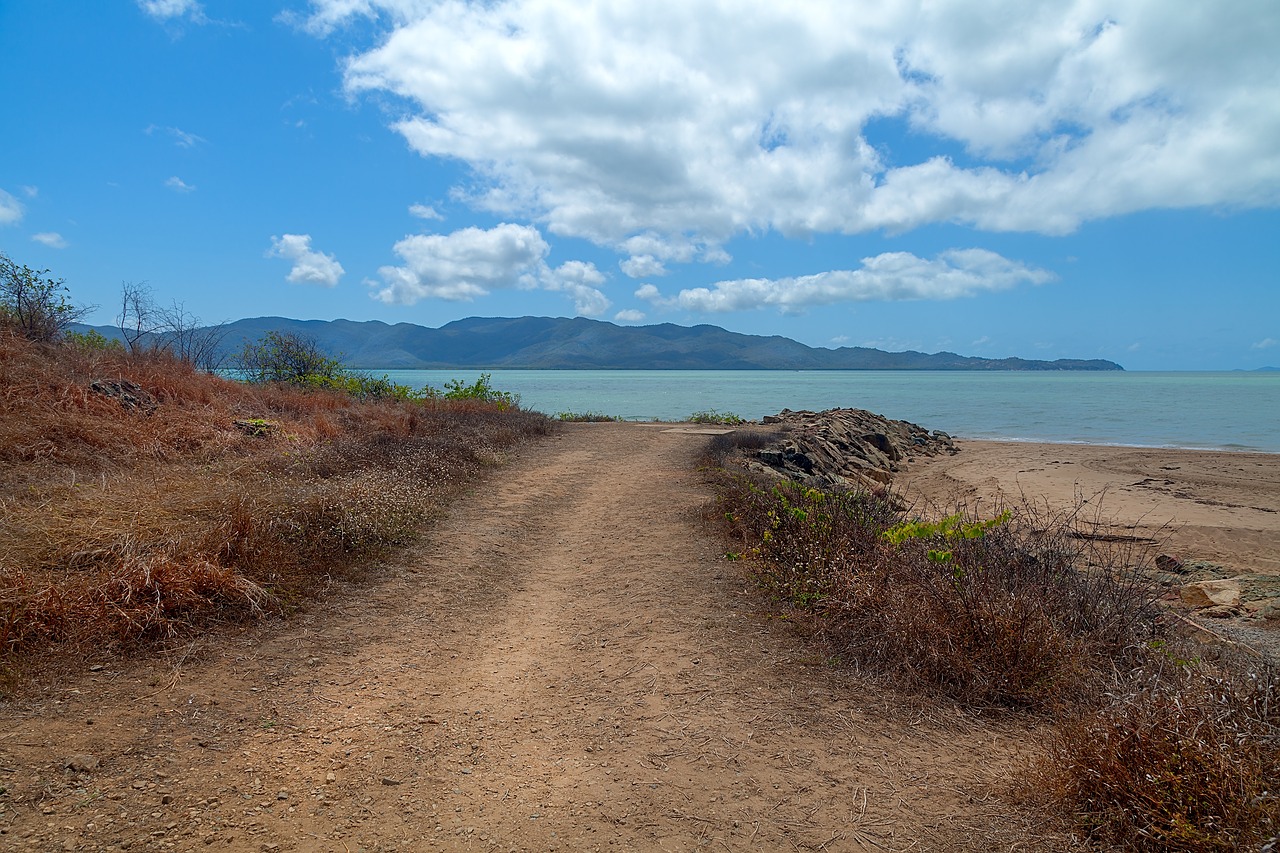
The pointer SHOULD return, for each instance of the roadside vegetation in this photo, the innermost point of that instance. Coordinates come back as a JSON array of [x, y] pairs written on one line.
[[711, 416], [1155, 743], [587, 417], [143, 498]]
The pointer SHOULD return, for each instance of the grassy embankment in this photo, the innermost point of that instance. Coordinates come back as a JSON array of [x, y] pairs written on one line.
[[143, 512], [1157, 744]]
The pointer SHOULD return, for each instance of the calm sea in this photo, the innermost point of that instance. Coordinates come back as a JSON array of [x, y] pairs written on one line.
[[1233, 411]]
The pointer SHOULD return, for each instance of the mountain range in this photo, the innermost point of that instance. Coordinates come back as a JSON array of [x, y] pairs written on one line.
[[580, 343]]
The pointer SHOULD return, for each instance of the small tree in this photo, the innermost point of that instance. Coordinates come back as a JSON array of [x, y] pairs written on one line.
[[146, 327], [287, 357], [186, 339], [33, 304], [139, 320]]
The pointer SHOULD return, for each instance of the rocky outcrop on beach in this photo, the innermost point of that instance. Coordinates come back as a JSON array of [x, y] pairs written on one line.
[[844, 448]]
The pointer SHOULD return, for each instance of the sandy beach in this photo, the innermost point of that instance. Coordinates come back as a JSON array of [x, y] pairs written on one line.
[[1204, 505]]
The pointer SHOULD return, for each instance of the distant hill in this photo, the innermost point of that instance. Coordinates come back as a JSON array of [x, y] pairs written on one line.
[[579, 343]]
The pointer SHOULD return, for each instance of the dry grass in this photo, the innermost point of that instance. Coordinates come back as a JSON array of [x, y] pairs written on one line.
[[122, 524], [1150, 747]]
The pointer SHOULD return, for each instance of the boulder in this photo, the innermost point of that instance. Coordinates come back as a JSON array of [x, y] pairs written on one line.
[[1211, 593], [130, 395], [846, 448]]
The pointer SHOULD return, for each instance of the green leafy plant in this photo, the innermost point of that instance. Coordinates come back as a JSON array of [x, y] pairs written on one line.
[[585, 417], [482, 390], [33, 304], [711, 416]]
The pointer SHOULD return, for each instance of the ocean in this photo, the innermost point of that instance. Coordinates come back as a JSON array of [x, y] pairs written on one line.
[[1216, 411]]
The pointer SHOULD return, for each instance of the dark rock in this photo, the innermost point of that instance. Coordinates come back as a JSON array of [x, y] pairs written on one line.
[[129, 394], [846, 448], [1166, 563], [256, 426]]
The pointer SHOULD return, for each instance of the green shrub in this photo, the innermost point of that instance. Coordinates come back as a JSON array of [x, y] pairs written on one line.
[[711, 416], [585, 417]]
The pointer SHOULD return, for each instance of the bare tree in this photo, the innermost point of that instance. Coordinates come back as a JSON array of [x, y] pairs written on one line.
[[139, 320], [148, 327], [184, 337]]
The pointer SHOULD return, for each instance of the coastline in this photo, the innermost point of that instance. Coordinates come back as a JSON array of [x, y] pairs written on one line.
[[1221, 506]]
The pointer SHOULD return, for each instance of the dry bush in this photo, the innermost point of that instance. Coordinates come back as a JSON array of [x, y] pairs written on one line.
[[1018, 614], [1183, 756], [1148, 747], [125, 523]]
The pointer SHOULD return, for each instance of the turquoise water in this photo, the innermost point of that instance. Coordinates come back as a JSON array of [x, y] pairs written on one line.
[[1233, 411]]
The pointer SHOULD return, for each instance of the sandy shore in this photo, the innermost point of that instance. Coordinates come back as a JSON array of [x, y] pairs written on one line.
[[1210, 506]]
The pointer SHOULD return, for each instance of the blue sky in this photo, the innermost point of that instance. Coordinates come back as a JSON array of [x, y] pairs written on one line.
[[1085, 179]]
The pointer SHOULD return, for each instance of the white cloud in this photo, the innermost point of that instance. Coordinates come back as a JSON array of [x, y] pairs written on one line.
[[685, 124], [180, 137], [581, 281], [648, 293], [52, 239], [1266, 343], [11, 210], [30, 192], [164, 10], [423, 211], [982, 341], [463, 265], [642, 266], [629, 315], [178, 185], [472, 262], [889, 277], [309, 266]]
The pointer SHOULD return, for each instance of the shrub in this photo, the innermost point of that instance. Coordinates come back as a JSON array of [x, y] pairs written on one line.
[[711, 416], [585, 417], [1010, 612], [1150, 747], [481, 389], [34, 305], [1183, 756], [287, 357], [129, 525]]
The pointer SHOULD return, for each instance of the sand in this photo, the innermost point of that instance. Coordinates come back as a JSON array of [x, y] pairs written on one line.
[[1201, 505]]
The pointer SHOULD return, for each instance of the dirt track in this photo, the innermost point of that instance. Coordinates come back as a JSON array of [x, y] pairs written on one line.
[[568, 662]]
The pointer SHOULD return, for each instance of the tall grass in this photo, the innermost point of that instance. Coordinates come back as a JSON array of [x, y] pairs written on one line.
[[1155, 745], [122, 523]]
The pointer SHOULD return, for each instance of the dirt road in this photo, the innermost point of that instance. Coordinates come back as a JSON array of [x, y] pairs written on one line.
[[567, 663]]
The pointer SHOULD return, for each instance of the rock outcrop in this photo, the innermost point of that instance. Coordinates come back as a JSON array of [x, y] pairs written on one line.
[[845, 448]]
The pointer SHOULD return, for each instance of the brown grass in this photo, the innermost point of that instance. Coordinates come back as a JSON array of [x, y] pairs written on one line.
[[1153, 745], [121, 525]]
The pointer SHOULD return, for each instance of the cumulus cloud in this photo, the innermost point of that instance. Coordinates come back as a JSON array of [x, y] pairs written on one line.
[[178, 185], [683, 124], [424, 211], [642, 266], [309, 266], [11, 210], [30, 192], [1266, 343], [472, 262], [166, 10], [52, 239], [629, 315], [582, 282], [889, 277]]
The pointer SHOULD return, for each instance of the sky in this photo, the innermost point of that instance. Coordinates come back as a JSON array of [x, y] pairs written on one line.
[[1059, 179]]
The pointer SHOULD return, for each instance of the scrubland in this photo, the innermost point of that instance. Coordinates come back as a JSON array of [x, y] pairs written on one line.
[[143, 500], [1155, 742]]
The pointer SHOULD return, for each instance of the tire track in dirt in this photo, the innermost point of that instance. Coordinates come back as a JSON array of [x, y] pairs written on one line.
[[567, 662]]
